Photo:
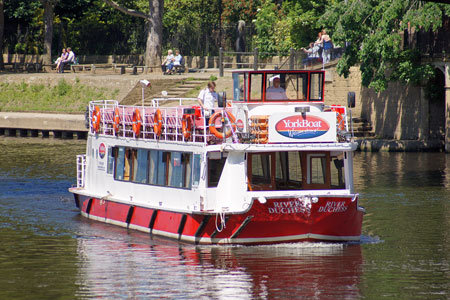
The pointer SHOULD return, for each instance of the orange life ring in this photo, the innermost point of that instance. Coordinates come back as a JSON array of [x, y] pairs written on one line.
[[186, 126], [96, 119], [116, 120], [137, 122], [212, 125], [157, 126]]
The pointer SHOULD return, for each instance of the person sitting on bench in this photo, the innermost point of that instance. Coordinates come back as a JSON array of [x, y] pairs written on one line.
[[69, 60]]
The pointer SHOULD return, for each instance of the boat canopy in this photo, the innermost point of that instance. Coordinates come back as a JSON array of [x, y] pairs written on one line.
[[298, 86]]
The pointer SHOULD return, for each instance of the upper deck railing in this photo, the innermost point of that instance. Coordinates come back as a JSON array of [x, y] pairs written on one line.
[[186, 123]]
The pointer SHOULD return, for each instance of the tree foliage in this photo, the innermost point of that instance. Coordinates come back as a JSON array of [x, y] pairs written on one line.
[[291, 23], [371, 32]]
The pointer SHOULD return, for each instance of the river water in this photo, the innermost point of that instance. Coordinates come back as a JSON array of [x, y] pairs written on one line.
[[48, 251]]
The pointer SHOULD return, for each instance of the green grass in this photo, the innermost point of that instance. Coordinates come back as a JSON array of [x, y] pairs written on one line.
[[63, 97]]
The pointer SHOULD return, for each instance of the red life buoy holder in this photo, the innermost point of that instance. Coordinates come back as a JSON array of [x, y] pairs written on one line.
[[116, 120], [96, 119], [186, 126], [212, 124], [157, 126], [340, 111], [137, 122]]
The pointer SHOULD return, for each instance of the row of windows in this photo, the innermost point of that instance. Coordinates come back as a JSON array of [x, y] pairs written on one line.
[[156, 167], [295, 170], [266, 171]]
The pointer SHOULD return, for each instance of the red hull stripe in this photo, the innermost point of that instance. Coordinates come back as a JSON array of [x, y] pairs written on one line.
[[329, 220]]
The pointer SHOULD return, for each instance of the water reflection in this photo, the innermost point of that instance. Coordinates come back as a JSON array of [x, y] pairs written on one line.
[[138, 268], [48, 251]]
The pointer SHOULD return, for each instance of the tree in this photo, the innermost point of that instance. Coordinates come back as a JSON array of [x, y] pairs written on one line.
[[153, 48], [281, 25], [49, 6], [370, 31], [2, 26]]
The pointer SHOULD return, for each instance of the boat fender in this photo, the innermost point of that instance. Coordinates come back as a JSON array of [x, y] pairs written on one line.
[[212, 125], [137, 122], [96, 119], [186, 126], [116, 120], [157, 126]]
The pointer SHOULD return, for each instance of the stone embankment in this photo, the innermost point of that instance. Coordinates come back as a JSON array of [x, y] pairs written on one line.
[[42, 124]]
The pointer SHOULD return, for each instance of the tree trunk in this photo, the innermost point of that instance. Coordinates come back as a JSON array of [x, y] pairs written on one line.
[[153, 49], [48, 30], [152, 56], [2, 26]]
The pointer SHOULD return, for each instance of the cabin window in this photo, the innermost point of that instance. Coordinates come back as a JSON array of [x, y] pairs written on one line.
[[111, 155], [120, 159], [260, 172], [256, 87], [239, 87], [316, 87], [337, 172], [141, 169], [317, 169], [163, 160], [289, 170], [296, 86], [215, 168], [196, 170], [176, 174]]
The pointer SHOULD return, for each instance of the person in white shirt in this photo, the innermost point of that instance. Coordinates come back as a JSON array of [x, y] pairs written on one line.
[[167, 64], [207, 99], [275, 91], [70, 59], [178, 58]]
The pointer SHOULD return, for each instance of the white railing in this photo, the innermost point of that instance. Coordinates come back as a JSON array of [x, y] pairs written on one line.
[[81, 170]]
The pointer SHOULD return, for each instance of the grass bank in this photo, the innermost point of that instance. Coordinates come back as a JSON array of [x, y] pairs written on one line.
[[62, 97]]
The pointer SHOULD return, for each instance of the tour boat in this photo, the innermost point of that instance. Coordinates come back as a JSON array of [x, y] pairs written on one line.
[[257, 171]]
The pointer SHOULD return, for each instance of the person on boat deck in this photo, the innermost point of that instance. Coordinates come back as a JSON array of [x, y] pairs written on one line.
[[275, 91], [207, 99], [167, 64]]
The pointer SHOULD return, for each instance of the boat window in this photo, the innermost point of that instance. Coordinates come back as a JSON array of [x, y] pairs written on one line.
[[317, 169], [153, 167], [128, 165], [215, 168], [316, 87], [260, 169], [141, 169], [337, 172], [288, 171], [256, 87], [163, 160], [176, 174], [196, 170], [238, 87], [186, 160], [111, 155], [120, 158]]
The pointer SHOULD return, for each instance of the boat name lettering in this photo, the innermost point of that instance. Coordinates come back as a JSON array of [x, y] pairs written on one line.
[[289, 207], [333, 207], [302, 123]]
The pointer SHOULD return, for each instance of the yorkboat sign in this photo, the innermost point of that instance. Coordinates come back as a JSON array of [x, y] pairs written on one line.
[[302, 127]]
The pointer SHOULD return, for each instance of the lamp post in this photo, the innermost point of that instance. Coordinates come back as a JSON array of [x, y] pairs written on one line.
[[145, 84]]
